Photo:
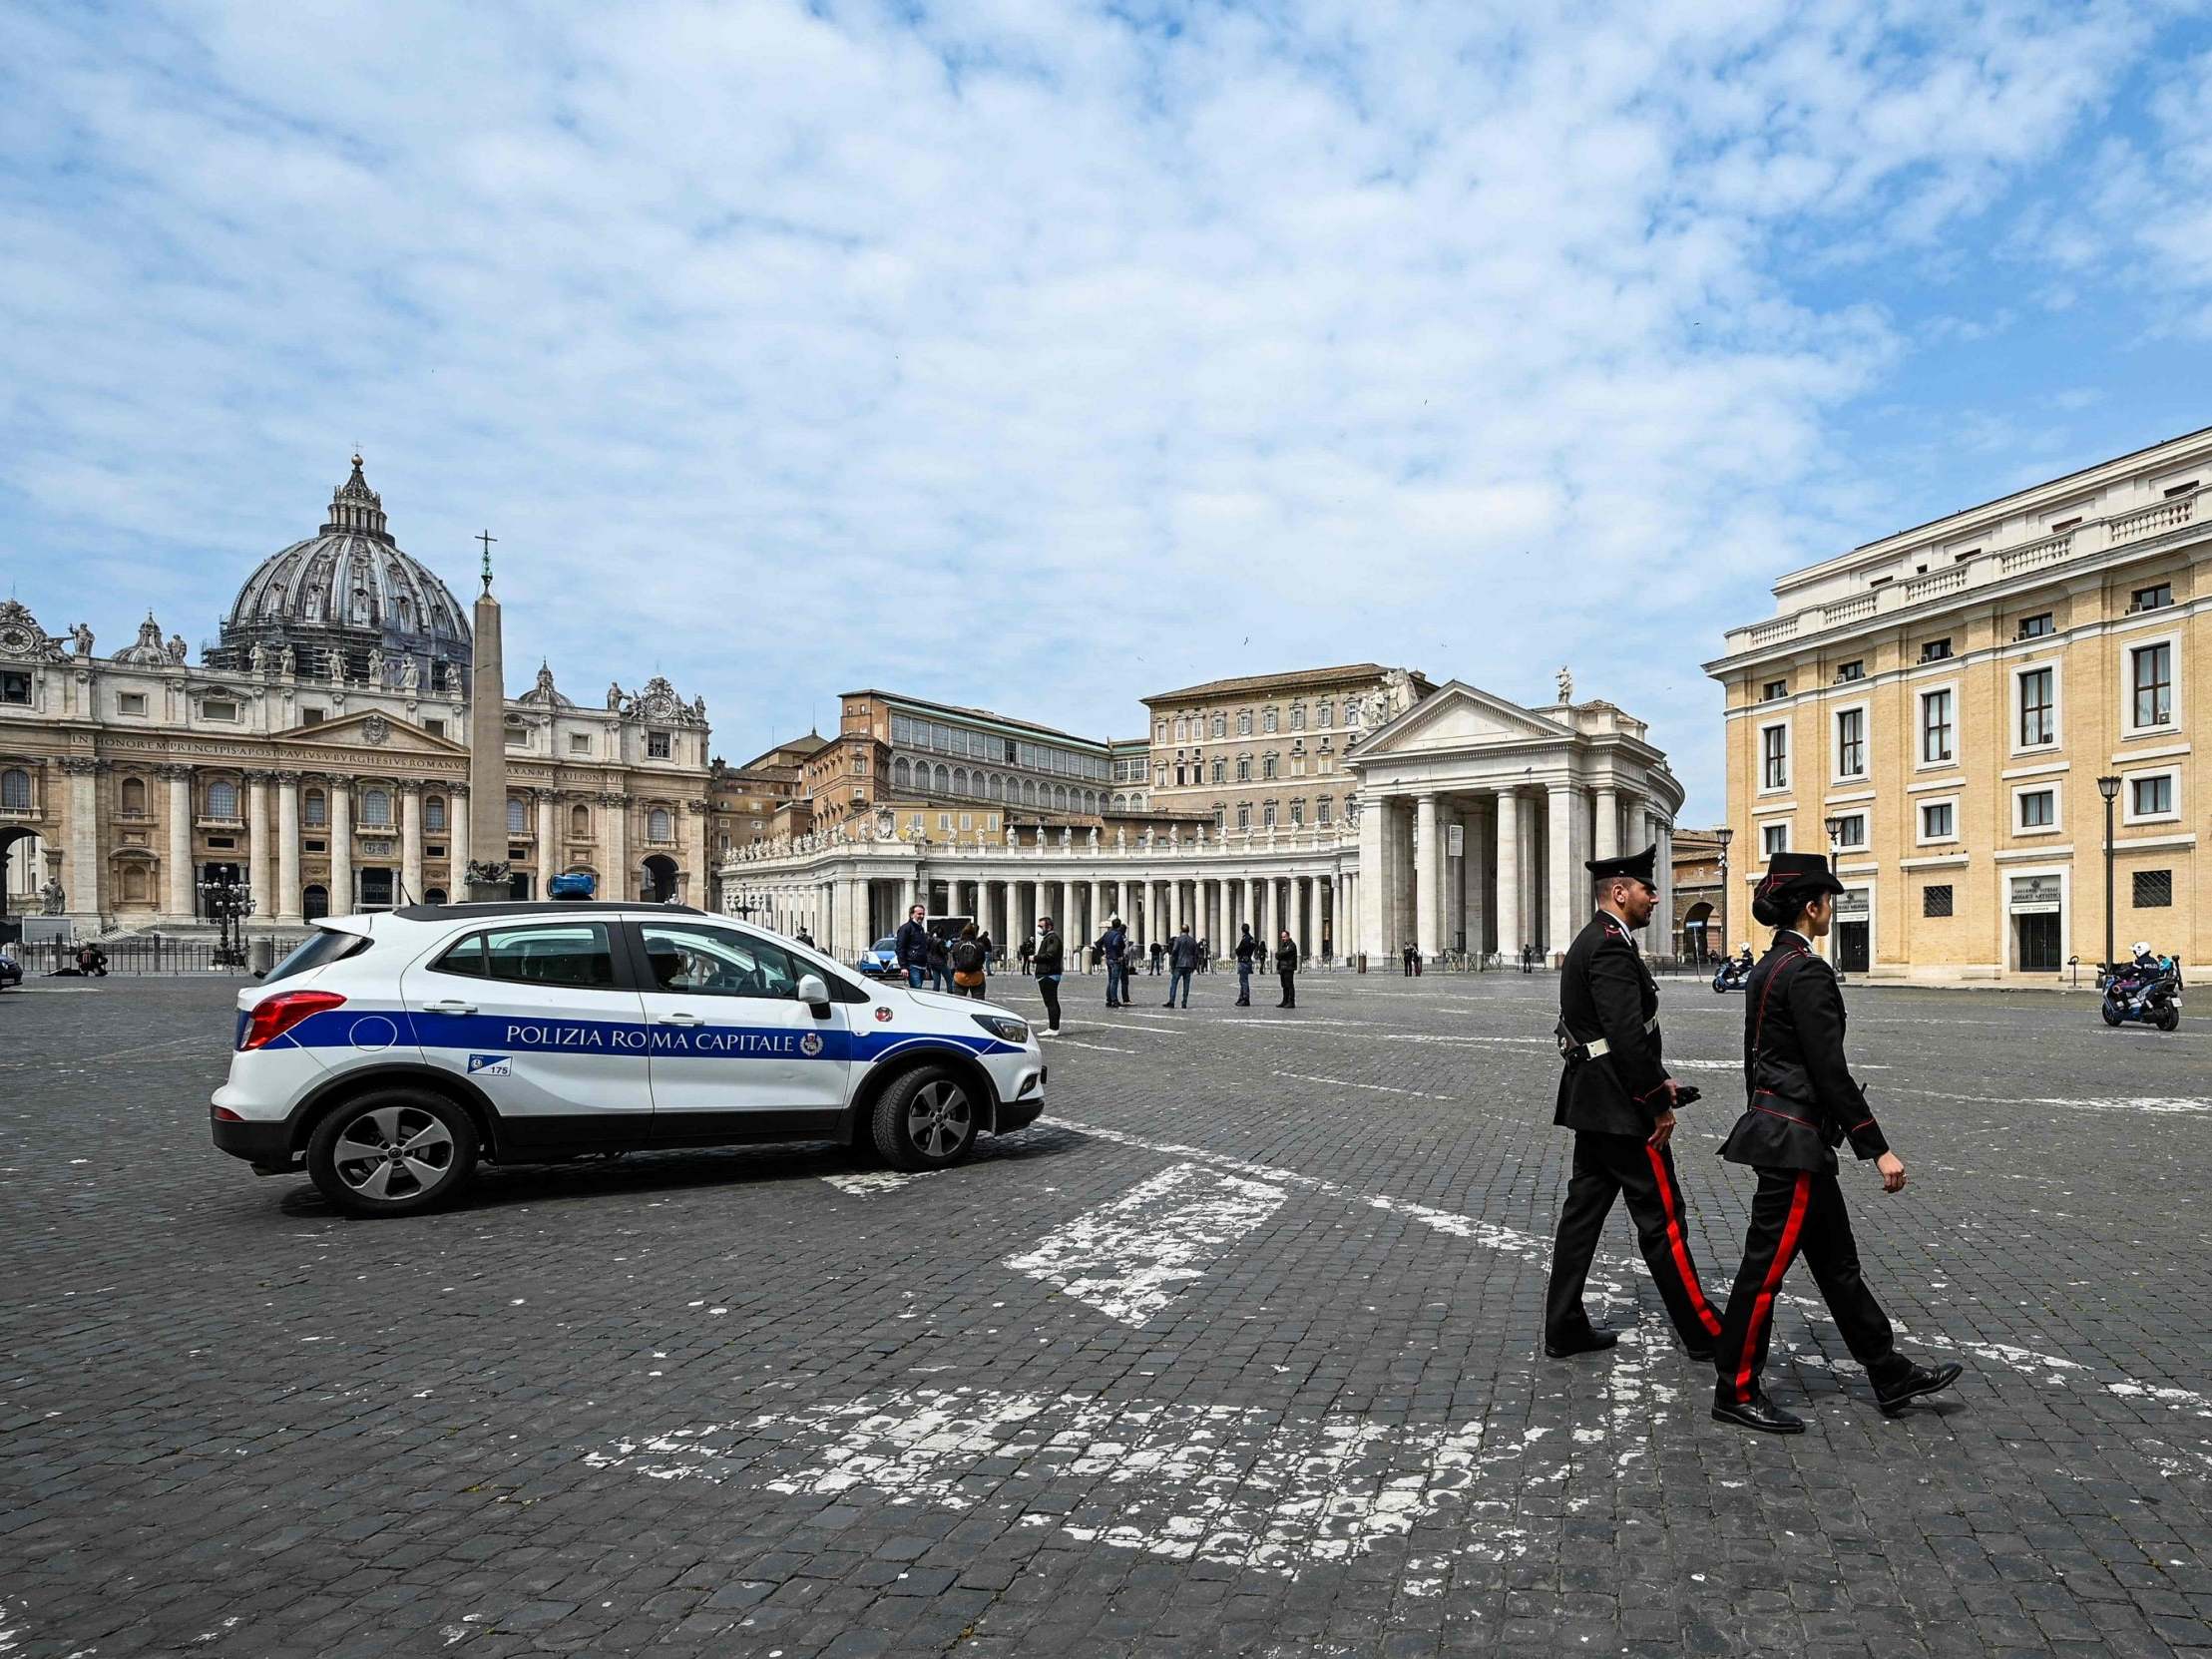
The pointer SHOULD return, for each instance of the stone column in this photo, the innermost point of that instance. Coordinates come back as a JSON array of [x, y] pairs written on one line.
[[1513, 928], [410, 842], [549, 808], [1374, 879], [258, 848], [1563, 866], [287, 847], [615, 837], [1309, 912], [1608, 824], [341, 791], [180, 871], [1660, 937], [696, 889], [1428, 883], [81, 876], [457, 844]]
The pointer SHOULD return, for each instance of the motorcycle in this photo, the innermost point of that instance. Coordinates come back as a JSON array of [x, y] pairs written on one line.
[[2147, 994], [1732, 973]]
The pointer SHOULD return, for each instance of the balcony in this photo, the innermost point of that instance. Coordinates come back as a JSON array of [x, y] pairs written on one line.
[[2083, 543]]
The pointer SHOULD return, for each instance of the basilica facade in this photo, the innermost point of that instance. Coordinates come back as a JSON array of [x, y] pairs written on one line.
[[319, 752]]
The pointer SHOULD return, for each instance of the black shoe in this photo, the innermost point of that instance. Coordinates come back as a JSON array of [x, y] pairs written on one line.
[[1758, 1412], [1915, 1383], [1703, 1356], [1168, 1005], [1590, 1342]]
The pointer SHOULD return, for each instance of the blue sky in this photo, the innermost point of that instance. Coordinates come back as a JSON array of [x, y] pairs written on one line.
[[1040, 355]]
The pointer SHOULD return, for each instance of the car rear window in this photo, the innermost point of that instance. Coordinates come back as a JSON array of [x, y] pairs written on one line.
[[317, 949], [580, 955]]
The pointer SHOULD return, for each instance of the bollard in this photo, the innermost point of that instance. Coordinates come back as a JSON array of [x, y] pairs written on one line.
[[265, 956]]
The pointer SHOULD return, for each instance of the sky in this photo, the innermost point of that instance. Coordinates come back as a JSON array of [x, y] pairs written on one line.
[[1041, 355]]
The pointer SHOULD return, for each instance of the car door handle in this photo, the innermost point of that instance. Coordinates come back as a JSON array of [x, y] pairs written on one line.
[[679, 1019], [449, 1008]]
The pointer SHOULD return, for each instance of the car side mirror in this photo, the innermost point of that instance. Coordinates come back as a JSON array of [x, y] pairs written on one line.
[[814, 993]]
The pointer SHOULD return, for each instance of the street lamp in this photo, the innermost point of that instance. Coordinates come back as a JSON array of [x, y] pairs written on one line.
[[1724, 836], [2109, 788], [230, 903], [1835, 828]]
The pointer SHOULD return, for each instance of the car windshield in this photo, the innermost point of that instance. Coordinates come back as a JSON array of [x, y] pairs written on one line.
[[886, 945]]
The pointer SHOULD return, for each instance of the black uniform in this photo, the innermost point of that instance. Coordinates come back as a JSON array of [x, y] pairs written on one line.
[[1804, 1103], [1611, 1102], [1286, 966]]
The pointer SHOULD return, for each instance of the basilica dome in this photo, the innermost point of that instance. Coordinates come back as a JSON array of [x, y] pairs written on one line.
[[349, 605]]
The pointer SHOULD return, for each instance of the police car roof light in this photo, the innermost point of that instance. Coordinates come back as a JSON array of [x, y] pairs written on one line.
[[275, 1015]]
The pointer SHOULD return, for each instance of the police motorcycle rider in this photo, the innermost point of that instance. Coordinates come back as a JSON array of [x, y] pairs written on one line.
[[1733, 971], [1617, 1097], [1803, 1103], [2148, 989]]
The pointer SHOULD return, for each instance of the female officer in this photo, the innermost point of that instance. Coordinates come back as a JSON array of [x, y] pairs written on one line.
[[1804, 1103]]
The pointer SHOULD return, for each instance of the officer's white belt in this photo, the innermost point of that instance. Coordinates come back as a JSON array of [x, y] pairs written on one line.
[[1598, 1046]]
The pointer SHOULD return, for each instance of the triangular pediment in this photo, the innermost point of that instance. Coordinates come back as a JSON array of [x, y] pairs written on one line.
[[1458, 716], [372, 729]]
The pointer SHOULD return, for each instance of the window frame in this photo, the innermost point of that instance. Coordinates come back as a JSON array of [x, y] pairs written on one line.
[[618, 955], [2019, 707], [1921, 696], [1863, 708], [1767, 848], [1865, 822], [1764, 787], [1950, 891], [1921, 837], [2128, 781], [2040, 786], [797, 966], [2135, 884], [2130, 651]]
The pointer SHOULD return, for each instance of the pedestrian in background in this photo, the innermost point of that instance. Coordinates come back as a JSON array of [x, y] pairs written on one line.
[[1113, 948], [1182, 961], [1158, 950], [939, 964], [1409, 958], [1286, 965], [912, 946], [1028, 950], [1047, 959], [1248, 951], [1804, 1103], [969, 961]]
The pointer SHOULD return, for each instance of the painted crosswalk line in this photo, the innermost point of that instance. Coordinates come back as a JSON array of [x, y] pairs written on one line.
[[1132, 1257]]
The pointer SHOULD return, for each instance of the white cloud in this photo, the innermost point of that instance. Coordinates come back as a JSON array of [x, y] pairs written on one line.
[[1025, 355]]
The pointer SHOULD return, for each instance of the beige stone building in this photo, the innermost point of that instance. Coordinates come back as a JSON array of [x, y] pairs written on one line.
[[318, 753], [1267, 751], [1938, 707]]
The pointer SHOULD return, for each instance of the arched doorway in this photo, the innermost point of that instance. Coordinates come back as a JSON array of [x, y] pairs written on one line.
[[9, 852], [1698, 940], [315, 901], [660, 878]]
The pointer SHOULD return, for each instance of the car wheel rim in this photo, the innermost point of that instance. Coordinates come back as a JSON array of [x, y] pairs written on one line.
[[936, 1121], [392, 1153]]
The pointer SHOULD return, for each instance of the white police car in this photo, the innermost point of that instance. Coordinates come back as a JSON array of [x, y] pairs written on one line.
[[391, 1051]]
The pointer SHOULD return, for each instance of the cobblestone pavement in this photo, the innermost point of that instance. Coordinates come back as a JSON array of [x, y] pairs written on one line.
[[1234, 1353]]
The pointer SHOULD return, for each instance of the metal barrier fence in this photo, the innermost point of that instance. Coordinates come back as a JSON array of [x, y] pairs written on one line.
[[149, 953]]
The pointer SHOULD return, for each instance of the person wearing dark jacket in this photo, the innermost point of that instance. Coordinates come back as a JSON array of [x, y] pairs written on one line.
[[1182, 961], [1248, 951], [1048, 963], [1113, 949], [1286, 965], [1158, 950], [940, 963], [1617, 1097], [912, 946], [1804, 1103], [970, 962]]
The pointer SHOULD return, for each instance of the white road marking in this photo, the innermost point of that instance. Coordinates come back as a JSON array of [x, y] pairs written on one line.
[[1241, 1485], [1072, 1043], [1342, 1083], [1131, 1258], [2149, 1104], [866, 1183]]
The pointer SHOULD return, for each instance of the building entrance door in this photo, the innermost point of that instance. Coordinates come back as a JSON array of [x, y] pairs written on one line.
[[1854, 930], [376, 888], [2037, 939]]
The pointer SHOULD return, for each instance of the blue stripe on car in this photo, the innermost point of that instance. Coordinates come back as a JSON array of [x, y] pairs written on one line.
[[484, 1033]]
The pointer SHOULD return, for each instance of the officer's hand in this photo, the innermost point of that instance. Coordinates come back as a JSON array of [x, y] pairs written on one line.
[[1893, 1171], [1662, 1129]]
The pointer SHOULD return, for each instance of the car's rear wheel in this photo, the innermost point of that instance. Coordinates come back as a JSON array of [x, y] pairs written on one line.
[[927, 1119], [392, 1152]]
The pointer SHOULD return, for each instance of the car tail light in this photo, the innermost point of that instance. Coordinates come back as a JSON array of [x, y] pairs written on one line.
[[271, 1017]]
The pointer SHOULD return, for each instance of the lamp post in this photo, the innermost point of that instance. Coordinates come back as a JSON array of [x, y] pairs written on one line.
[[230, 903], [2109, 788], [1724, 836]]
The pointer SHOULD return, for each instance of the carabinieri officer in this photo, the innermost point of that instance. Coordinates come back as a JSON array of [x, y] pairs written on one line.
[[1804, 1103], [1619, 1102]]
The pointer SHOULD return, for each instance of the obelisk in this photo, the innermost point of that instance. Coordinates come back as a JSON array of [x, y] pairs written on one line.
[[488, 875]]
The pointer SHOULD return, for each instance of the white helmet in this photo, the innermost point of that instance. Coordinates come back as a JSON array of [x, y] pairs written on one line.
[[2141, 947]]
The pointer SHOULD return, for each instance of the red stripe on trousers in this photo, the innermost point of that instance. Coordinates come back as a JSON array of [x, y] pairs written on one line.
[[1705, 1315], [1781, 1265]]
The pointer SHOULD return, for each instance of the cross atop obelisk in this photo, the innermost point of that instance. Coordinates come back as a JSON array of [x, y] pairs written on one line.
[[486, 538]]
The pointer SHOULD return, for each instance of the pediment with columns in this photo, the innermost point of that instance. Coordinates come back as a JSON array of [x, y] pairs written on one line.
[[1457, 716], [385, 733]]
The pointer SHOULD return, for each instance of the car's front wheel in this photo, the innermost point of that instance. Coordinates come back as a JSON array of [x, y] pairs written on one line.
[[392, 1152], [927, 1119]]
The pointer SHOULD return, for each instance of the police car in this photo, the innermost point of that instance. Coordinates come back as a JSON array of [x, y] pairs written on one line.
[[392, 1051]]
